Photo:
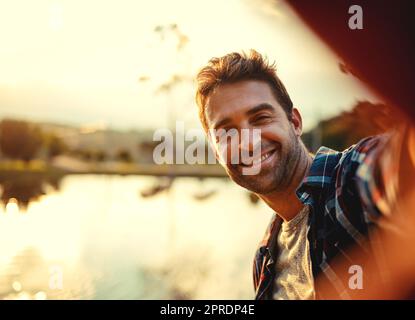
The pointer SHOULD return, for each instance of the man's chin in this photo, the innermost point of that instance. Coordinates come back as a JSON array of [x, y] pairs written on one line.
[[256, 184]]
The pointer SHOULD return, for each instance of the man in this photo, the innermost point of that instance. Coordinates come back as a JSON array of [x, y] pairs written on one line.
[[323, 204]]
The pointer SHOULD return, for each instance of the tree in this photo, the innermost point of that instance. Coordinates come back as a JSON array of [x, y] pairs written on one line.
[[363, 120], [100, 156], [19, 139], [124, 155], [55, 146]]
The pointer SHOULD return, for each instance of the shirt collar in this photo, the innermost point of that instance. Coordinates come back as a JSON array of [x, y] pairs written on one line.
[[318, 177], [273, 228], [321, 171]]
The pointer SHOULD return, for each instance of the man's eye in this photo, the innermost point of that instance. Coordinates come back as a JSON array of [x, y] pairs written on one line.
[[261, 119]]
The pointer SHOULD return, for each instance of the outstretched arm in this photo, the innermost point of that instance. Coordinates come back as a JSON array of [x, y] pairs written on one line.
[[397, 250]]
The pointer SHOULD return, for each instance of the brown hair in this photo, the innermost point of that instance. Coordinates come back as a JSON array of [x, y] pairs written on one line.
[[235, 67]]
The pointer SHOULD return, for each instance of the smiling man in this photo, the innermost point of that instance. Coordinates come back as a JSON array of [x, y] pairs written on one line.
[[322, 203]]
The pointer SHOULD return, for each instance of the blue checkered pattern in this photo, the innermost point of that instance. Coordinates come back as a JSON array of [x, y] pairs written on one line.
[[346, 191]]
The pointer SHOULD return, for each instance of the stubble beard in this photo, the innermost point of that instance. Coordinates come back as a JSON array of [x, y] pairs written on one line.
[[279, 176]]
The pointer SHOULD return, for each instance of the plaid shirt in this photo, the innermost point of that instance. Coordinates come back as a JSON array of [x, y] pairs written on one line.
[[346, 191]]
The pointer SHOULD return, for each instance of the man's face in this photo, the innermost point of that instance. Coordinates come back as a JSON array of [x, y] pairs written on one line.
[[252, 105]]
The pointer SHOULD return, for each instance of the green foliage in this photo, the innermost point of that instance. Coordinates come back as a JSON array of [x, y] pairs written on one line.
[[55, 145], [19, 139], [365, 119], [100, 156], [124, 156]]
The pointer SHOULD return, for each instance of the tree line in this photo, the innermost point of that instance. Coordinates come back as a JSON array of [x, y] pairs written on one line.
[[22, 140]]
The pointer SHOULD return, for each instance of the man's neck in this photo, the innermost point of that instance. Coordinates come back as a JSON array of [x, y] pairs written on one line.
[[286, 203]]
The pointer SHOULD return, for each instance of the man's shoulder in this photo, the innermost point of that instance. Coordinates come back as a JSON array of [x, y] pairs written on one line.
[[355, 181], [363, 146], [333, 169], [354, 155], [367, 144], [361, 156]]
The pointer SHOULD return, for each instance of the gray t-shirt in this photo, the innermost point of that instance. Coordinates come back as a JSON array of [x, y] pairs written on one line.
[[294, 278]]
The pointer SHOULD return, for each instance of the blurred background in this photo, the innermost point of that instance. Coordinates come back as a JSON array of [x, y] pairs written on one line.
[[84, 212]]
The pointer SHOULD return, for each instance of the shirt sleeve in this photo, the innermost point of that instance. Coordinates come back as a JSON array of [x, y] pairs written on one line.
[[376, 175]]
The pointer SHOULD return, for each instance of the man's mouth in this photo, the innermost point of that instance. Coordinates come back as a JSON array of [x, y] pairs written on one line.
[[261, 160], [267, 155]]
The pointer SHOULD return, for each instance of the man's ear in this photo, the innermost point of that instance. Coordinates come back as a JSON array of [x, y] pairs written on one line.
[[297, 122]]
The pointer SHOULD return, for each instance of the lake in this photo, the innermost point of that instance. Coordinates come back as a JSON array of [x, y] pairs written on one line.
[[98, 237]]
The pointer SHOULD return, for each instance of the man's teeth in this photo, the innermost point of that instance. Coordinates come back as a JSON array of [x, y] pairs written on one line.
[[265, 156]]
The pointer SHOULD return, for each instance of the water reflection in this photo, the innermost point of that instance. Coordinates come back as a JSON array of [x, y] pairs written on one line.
[[96, 237], [27, 187], [28, 268]]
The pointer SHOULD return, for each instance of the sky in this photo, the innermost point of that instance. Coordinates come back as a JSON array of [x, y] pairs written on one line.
[[102, 63]]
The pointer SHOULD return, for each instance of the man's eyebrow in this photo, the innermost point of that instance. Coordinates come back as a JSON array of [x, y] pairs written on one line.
[[260, 107], [222, 123]]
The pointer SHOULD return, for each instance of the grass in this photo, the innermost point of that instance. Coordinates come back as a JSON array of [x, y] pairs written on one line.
[[19, 165], [42, 167]]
